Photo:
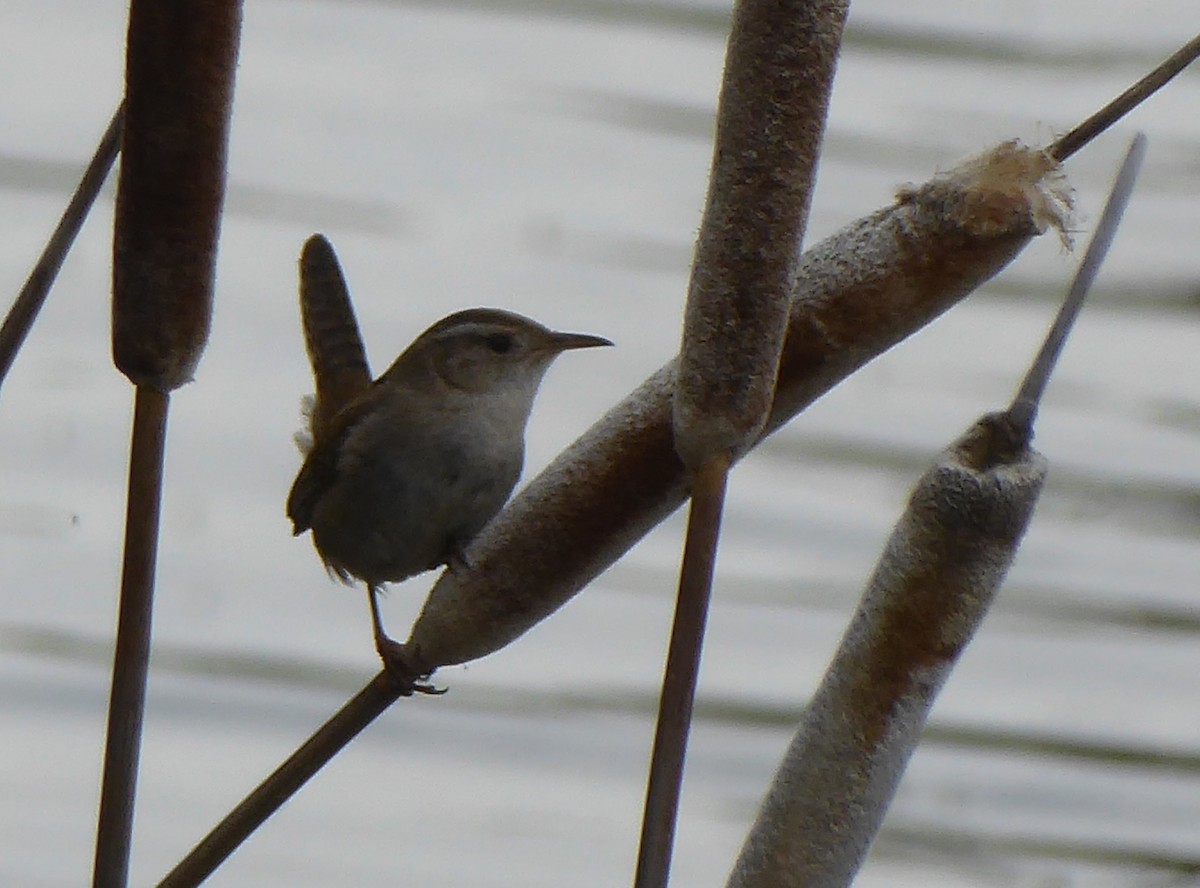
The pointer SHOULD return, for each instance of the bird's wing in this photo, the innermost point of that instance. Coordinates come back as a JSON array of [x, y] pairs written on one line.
[[315, 475], [320, 468], [331, 335]]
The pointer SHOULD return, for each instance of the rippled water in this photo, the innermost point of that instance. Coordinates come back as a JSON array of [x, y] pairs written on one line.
[[551, 158]]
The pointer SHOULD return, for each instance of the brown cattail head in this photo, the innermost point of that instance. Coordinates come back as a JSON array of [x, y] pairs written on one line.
[[933, 585], [874, 282], [770, 122], [179, 85], [858, 293]]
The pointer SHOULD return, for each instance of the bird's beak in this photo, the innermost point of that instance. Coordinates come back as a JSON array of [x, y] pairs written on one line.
[[567, 341]]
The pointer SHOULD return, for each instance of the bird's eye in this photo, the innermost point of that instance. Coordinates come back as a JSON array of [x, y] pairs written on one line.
[[500, 343]]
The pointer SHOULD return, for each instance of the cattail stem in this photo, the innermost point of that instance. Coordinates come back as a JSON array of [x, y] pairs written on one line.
[[1067, 144], [268, 796], [1029, 395], [132, 655], [770, 122], [679, 681]]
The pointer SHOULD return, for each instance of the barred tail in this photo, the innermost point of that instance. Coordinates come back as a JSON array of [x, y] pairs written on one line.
[[335, 347]]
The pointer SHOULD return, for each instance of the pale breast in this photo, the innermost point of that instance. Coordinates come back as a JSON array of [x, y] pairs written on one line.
[[407, 495]]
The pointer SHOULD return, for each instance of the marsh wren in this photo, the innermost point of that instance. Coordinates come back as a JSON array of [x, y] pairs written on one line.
[[402, 475]]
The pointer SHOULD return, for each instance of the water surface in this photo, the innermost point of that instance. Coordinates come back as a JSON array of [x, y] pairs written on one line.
[[552, 159]]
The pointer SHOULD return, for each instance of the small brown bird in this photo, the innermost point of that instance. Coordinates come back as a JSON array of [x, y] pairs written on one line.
[[404, 471]]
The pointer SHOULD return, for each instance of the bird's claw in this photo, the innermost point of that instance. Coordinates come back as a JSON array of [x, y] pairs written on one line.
[[402, 667], [456, 559]]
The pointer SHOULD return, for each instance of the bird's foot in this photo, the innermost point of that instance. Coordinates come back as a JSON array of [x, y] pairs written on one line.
[[456, 558], [405, 669]]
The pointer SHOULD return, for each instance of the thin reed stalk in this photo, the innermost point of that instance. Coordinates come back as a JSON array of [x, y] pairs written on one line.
[[32, 297], [329, 739], [131, 658], [673, 725]]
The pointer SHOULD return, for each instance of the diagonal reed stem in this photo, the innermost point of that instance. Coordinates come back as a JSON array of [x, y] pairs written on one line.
[[268, 796], [29, 301], [1070, 142]]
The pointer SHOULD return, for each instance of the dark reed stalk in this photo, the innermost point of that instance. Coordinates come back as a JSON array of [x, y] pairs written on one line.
[[29, 301], [918, 258], [344, 726], [1023, 410], [180, 62], [771, 116], [661, 810], [131, 657], [929, 593], [1070, 142]]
